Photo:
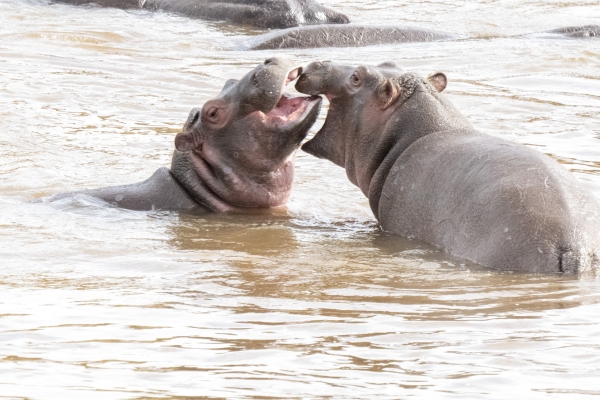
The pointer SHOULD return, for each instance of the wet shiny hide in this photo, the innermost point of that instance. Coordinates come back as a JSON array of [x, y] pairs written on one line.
[[259, 13], [355, 35], [342, 36], [429, 175]]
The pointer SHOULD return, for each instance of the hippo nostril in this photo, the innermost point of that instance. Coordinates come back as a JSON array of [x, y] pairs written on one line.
[[192, 119], [195, 119]]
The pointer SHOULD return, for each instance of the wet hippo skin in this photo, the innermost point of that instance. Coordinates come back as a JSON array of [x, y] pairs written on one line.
[[342, 36], [365, 35], [235, 154], [428, 174], [259, 13], [586, 31]]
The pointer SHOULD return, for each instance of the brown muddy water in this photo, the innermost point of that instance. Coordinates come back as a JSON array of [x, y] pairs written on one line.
[[311, 301]]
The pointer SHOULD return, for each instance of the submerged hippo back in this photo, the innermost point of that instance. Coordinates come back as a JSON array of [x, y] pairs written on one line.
[[260, 13], [578, 31], [342, 36]]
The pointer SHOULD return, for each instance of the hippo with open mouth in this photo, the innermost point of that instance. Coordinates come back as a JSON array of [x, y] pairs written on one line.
[[235, 154], [270, 14], [430, 175]]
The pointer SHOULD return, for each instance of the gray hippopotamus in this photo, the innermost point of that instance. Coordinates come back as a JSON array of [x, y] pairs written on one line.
[[586, 31], [342, 36], [355, 35], [259, 13], [235, 154], [429, 175]]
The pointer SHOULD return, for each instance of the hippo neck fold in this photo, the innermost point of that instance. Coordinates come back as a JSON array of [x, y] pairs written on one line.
[[419, 112], [222, 189]]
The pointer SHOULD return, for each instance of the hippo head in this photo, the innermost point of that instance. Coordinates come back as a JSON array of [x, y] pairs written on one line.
[[371, 109], [241, 145]]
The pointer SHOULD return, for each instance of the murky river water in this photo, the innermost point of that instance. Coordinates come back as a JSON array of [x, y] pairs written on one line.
[[309, 301]]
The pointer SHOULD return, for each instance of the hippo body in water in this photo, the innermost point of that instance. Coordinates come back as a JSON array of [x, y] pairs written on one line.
[[342, 36], [365, 35], [259, 13], [429, 175], [235, 154], [586, 31]]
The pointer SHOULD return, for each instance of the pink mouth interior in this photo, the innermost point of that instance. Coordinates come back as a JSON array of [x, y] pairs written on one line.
[[288, 109]]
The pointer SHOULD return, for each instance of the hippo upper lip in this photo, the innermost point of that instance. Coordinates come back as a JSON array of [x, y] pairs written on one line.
[[293, 75]]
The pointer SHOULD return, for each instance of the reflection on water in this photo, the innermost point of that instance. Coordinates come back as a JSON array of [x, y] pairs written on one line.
[[311, 300]]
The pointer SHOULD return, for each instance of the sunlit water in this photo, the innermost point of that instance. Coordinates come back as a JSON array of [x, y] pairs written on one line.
[[309, 301]]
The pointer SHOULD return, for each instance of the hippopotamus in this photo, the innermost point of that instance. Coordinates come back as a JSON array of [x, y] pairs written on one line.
[[259, 13], [235, 154], [355, 35], [342, 36], [586, 31], [429, 175]]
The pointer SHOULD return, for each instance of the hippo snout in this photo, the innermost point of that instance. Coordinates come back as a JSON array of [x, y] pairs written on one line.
[[304, 85], [314, 78]]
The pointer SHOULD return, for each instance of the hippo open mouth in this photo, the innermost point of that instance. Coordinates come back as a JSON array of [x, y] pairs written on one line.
[[290, 110]]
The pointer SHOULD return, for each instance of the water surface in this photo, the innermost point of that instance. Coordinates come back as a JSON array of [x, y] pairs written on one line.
[[311, 300]]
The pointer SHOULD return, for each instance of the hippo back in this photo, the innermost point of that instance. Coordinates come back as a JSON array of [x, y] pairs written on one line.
[[498, 203]]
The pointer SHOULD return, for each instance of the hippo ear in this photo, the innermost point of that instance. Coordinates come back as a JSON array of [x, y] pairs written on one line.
[[184, 141], [229, 84], [387, 93], [438, 80], [389, 64]]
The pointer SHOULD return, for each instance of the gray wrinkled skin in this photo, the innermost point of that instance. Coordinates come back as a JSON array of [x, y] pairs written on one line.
[[260, 13], [429, 175], [364, 35], [341, 36], [159, 192], [240, 160]]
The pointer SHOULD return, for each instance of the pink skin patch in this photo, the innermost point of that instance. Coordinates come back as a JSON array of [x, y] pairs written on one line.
[[295, 73]]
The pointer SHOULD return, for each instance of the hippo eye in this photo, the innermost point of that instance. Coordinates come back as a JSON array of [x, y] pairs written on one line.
[[212, 113], [355, 79]]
